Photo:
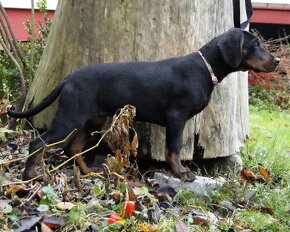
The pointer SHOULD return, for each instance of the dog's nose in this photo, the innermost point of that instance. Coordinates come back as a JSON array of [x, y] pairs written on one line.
[[276, 60]]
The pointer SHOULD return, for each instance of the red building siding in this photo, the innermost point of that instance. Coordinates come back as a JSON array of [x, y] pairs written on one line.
[[19, 16], [271, 16]]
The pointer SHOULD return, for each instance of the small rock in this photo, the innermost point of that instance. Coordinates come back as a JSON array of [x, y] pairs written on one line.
[[199, 186]]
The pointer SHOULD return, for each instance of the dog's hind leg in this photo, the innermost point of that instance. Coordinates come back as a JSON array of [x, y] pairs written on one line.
[[83, 137], [77, 147], [62, 125]]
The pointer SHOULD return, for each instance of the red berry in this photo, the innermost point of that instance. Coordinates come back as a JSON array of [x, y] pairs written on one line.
[[114, 218], [129, 208]]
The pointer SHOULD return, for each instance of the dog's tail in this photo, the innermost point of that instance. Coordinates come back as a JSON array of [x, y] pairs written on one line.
[[41, 106]]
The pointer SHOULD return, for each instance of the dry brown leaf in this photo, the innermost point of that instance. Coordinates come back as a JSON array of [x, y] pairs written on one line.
[[53, 222], [14, 189], [263, 171], [119, 140], [114, 164], [247, 174], [3, 106], [147, 228], [134, 144], [45, 228], [267, 210]]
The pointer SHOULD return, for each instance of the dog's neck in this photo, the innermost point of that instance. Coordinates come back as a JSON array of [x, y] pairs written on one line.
[[213, 57], [214, 79]]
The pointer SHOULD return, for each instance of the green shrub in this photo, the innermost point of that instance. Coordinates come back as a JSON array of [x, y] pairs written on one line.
[[8, 71], [268, 99]]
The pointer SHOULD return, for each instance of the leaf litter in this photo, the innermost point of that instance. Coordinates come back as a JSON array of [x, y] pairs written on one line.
[[118, 198]]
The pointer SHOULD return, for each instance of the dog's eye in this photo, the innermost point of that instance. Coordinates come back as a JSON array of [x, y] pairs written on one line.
[[256, 44]]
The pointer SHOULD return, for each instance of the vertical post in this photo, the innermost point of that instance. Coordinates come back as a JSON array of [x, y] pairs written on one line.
[[31, 62]]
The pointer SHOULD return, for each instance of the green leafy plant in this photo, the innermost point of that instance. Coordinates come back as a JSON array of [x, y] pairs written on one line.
[[8, 72], [268, 99]]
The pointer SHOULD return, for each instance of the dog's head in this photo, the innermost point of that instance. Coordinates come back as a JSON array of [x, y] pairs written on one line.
[[243, 51]]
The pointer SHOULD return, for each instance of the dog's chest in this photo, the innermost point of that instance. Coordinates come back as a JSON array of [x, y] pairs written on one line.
[[198, 105]]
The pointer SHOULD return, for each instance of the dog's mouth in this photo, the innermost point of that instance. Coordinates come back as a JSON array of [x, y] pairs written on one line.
[[264, 67]]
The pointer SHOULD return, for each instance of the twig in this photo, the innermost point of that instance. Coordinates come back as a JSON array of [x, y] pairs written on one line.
[[22, 181], [118, 175], [29, 199], [98, 174]]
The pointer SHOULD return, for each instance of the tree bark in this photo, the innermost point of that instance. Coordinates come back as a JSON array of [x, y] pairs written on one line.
[[90, 31]]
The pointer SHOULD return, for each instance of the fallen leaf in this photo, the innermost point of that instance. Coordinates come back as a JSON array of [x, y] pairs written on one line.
[[3, 105], [43, 208], [267, 210], [92, 228], [181, 226], [249, 196], [116, 196], [14, 189], [152, 182], [141, 191], [115, 218], [154, 214], [167, 189], [28, 223], [135, 184], [247, 174], [65, 205], [6, 208], [134, 144], [53, 222], [131, 194], [45, 228], [263, 171], [147, 228]]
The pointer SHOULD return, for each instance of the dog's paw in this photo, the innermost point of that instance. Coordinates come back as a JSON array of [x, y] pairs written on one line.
[[187, 175]]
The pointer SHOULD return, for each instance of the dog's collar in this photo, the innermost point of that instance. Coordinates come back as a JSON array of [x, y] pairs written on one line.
[[214, 79]]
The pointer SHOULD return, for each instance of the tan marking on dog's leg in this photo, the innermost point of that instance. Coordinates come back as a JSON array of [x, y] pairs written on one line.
[[76, 148], [177, 168]]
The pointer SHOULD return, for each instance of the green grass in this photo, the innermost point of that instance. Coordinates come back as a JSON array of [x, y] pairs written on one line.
[[269, 141], [269, 146]]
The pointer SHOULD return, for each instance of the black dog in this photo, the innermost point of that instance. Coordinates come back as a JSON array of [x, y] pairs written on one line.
[[166, 92]]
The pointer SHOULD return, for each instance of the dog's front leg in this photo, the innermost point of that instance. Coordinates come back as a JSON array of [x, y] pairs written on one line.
[[174, 131]]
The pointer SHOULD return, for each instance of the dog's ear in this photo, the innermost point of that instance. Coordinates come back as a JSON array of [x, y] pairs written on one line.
[[230, 45]]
